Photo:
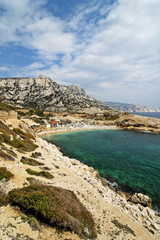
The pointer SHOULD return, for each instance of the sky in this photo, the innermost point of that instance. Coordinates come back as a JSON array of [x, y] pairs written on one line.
[[111, 48]]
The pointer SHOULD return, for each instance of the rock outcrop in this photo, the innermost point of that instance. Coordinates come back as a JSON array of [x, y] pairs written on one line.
[[142, 199], [125, 107], [139, 123], [44, 93]]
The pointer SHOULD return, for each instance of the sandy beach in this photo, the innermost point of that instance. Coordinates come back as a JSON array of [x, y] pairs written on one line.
[[85, 128]]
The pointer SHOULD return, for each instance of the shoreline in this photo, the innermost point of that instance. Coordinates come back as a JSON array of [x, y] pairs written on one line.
[[113, 183], [87, 128]]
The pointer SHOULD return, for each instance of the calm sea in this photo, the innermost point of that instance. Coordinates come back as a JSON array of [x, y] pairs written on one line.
[[149, 114], [131, 159]]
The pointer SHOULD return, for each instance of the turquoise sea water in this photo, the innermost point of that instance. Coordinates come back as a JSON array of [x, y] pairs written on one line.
[[131, 159], [149, 114]]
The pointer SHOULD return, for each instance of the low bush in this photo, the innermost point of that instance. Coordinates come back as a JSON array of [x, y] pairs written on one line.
[[32, 172], [31, 161], [6, 156], [6, 107], [46, 175], [33, 181], [3, 198], [5, 129], [124, 227], [56, 206], [5, 174], [23, 145], [41, 174], [9, 151], [23, 134], [36, 154]]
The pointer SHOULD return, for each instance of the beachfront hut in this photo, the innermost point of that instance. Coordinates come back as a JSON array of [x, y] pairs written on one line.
[[54, 123]]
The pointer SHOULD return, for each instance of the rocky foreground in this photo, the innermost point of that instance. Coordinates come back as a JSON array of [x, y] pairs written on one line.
[[27, 163]]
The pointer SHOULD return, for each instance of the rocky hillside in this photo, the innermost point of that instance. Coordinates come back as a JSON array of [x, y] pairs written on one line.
[[44, 93], [45, 195], [125, 107]]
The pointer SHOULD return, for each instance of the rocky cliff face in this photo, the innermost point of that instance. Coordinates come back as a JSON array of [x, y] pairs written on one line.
[[124, 107], [46, 94]]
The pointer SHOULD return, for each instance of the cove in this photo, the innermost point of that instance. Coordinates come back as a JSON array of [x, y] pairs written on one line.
[[130, 158]]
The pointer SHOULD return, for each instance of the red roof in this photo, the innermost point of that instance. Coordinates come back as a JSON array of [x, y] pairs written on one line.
[[54, 121]]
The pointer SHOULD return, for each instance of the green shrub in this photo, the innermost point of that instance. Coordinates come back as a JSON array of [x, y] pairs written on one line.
[[5, 174], [1, 139], [30, 161], [6, 156], [9, 151], [36, 154], [23, 134], [124, 227], [39, 113], [56, 206], [23, 145], [32, 172], [41, 174], [5, 129], [5, 106], [46, 174], [3, 198], [33, 181]]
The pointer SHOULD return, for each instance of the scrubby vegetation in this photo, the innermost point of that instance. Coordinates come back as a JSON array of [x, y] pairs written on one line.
[[46, 174], [3, 198], [5, 129], [33, 181], [5, 106], [17, 138], [36, 154], [6, 156], [30, 161], [124, 227], [5, 174], [111, 117], [22, 134], [32, 172], [41, 174], [21, 145], [9, 151], [56, 206]]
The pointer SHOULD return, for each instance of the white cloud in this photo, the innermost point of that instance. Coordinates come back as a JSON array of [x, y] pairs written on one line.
[[3, 68], [26, 24], [114, 56]]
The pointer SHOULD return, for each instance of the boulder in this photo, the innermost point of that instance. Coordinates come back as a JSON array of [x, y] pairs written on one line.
[[142, 199]]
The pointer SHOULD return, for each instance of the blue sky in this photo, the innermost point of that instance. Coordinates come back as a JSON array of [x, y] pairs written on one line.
[[109, 47]]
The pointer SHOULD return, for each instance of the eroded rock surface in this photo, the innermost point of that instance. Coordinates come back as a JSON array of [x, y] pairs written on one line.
[[44, 93]]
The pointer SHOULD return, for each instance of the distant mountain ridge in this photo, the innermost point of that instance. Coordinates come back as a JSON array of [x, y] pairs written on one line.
[[44, 93], [126, 107]]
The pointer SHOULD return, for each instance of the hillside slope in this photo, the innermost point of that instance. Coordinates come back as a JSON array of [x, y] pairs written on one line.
[[44, 93], [26, 160]]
